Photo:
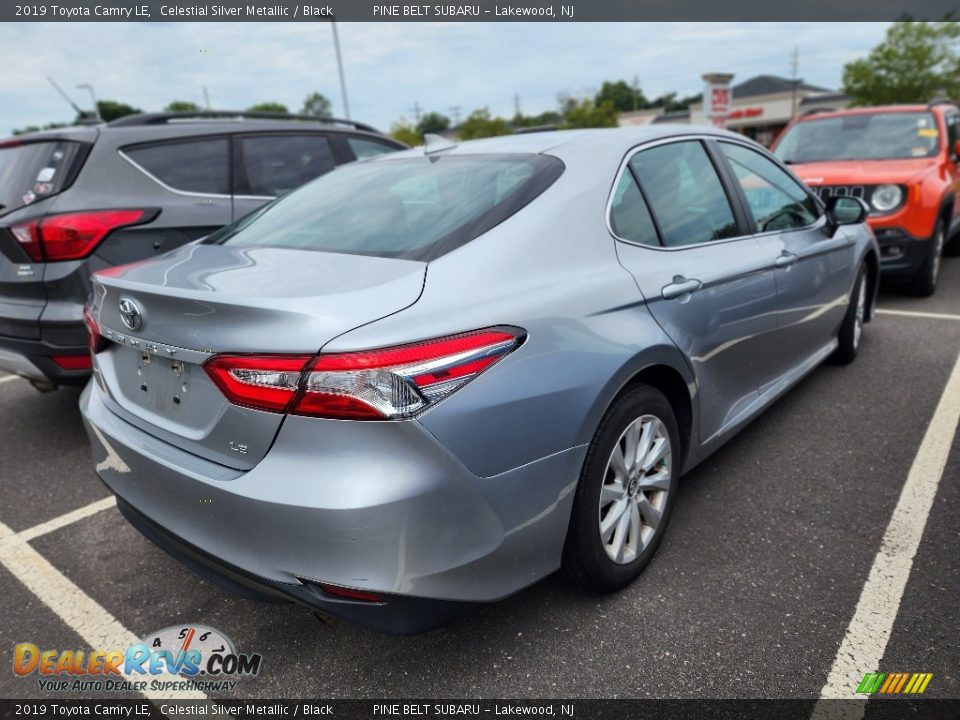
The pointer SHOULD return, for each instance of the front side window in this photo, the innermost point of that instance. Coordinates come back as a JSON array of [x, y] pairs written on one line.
[[629, 216], [276, 164], [199, 166], [776, 200], [414, 208], [685, 193], [861, 136]]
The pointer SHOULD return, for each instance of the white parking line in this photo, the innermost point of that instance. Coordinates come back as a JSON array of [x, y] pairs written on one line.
[[915, 313], [79, 611], [67, 519], [869, 631]]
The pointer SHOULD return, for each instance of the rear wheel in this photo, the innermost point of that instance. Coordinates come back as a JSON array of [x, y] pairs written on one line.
[[851, 330], [924, 283], [626, 492]]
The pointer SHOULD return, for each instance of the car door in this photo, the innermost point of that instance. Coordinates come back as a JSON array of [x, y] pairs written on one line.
[[710, 287], [813, 274], [267, 165], [194, 195]]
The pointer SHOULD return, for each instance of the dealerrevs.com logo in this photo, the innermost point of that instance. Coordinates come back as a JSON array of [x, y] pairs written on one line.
[[894, 683], [192, 657]]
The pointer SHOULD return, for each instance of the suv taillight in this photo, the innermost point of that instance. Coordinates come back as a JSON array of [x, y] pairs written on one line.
[[71, 236], [383, 384]]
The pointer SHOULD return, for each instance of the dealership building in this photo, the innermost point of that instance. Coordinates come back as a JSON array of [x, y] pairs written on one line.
[[760, 107]]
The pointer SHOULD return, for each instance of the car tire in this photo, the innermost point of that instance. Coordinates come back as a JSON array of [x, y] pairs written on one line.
[[624, 502], [924, 283], [851, 329]]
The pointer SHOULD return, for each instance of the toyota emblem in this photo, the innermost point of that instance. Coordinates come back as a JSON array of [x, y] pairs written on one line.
[[130, 314]]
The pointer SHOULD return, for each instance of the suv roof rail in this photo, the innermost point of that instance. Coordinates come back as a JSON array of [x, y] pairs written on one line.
[[162, 118], [816, 111], [940, 101]]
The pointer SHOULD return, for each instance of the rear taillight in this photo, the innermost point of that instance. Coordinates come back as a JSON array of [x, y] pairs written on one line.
[[95, 341], [369, 385], [73, 362], [71, 236]]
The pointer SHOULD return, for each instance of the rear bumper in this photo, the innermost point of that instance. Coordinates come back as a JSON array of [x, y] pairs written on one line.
[[33, 359], [901, 254], [380, 507]]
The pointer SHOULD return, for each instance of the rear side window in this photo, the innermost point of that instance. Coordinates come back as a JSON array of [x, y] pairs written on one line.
[[629, 216], [414, 208], [272, 165], [776, 200], [31, 171], [685, 193], [364, 148], [199, 166]]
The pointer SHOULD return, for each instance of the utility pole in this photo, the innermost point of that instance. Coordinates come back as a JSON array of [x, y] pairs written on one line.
[[636, 92], [206, 97], [416, 112], [66, 97], [343, 82], [516, 105], [455, 111], [794, 68]]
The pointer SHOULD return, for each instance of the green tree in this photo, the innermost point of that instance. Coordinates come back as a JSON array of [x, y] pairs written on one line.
[[406, 133], [112, 110], [272, 107], [182, 106], [916, 62], [587, 114], [622, 95], [317, 105], [433, 122], [38, 128], [480, 124]]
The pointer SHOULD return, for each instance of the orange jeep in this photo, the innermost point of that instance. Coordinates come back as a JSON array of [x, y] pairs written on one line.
[[903, 161]]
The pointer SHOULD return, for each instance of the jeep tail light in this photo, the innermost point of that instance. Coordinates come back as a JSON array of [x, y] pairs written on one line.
[[392, 383], [72, 236]]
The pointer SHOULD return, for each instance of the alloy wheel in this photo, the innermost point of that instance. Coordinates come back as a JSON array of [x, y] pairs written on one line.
[[861, 312], [635, 487]]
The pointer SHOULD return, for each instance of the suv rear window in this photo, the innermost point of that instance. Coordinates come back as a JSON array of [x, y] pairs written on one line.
[[31, 171], [199, 166], [412, 208]]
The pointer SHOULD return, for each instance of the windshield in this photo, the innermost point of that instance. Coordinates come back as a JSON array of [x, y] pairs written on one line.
[[861, 136], [32, 171], [411, 208]]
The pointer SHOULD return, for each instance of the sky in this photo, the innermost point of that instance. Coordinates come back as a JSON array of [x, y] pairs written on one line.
[[391, 67]]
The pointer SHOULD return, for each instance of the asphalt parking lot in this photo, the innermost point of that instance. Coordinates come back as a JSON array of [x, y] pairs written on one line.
[[750, 595]]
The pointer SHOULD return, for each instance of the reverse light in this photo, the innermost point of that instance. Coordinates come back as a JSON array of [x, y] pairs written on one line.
[[71, 236], [392, 383]]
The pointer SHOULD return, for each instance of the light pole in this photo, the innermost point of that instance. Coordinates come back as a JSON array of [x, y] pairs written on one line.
[[93, 98], [343, 82]]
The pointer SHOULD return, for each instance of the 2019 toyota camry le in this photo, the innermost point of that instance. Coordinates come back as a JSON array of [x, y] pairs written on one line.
[[429, 379]]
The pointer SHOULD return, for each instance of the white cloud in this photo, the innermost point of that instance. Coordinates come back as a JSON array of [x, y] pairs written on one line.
[[389, 67]]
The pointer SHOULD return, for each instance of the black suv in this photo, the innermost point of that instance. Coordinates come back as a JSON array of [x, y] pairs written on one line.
[[81, 199]]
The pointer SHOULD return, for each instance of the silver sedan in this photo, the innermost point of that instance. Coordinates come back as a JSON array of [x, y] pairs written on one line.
[[427, 380]]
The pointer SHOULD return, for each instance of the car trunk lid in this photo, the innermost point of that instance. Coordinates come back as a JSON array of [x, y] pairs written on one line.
[[201, 300]]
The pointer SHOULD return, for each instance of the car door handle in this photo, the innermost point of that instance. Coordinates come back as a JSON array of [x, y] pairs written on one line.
[[785, 259], [680, 286]]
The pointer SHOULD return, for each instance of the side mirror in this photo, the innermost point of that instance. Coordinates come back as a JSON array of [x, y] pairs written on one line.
[[845, 210]]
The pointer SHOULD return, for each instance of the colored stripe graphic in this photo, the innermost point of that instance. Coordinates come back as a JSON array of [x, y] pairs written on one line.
[[894, 683]]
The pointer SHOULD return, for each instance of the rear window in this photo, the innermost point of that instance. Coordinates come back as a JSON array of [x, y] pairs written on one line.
[[411, 208], [32, 171], [199, 166]]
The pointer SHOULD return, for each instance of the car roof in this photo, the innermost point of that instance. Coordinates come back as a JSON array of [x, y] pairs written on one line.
[[558, 142], [872, 110]]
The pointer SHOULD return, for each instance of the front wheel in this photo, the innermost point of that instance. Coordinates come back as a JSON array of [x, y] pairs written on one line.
[[851, 330], [626, 492], [924, 283]]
